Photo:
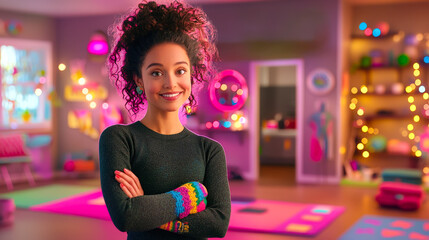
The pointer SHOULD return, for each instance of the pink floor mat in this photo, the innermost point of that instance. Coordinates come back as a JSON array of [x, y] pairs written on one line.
[[256, 216]]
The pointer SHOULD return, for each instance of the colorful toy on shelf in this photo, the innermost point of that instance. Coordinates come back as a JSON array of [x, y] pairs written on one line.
[[397, 194], [395, 146], [7, 209], [377, 143]]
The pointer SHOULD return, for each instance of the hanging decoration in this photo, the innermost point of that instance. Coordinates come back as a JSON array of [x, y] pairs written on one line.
[[228, 92], [98, 45], [320, 81]]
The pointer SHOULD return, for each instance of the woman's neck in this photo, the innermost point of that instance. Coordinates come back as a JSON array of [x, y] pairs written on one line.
[[166, 123]]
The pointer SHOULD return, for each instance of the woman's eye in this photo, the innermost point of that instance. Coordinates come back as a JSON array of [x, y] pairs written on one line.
[[156, 74], [181, 71]]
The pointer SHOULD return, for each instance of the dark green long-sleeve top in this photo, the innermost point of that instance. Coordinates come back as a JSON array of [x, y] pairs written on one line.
[[163, 163]]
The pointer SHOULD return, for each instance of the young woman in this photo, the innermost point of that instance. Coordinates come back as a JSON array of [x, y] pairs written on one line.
[[159, 180]]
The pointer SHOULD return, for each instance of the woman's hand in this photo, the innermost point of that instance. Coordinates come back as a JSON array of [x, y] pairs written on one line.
[[129, 183]]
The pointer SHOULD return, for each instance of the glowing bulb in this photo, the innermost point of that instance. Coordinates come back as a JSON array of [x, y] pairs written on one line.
[[359, 122], [414, 148], [365, 154], [209, 125], [410, 127], [89, 97], [354, 100], [354, 90], [360, 112], [422, 89], [376, 131], [425, 96], [360, 146], [416, 73], [42, 80], [352, 106], [371, 130], [38, 91], [238, 125], [404, 133], [413, 108], [234, 88], [426, 170], [368, 32], [411, 136], [363, 26], [416, 66], [408, 89], [416, 118], [85, 91], [240, 92], [418, 153], [364, 128], [217, 85], [418, 82], [410, 99], [105, 105], [223, 87], [62, 67], [242, 120], [216, 124], [363, 89], [82, 81], [364, 140], [92, 105], [234, 117]]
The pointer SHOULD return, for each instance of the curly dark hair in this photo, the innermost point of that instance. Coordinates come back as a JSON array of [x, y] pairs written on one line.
[[151, 24]]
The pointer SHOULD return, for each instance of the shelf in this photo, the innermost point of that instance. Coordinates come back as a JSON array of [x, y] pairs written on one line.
[[279, 132], [388, 116]]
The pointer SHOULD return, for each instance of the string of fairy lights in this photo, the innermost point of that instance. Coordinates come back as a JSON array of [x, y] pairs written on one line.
[[409, 131]]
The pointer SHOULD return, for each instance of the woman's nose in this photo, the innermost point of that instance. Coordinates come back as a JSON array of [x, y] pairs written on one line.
[[170, 81]]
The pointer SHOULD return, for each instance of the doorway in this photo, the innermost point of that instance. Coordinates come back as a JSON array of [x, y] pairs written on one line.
[[277, 114]]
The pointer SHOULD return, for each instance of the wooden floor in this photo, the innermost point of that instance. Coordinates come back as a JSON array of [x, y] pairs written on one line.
[[276, 183]]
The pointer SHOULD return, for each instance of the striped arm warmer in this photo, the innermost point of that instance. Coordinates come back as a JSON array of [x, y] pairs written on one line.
[[190, 198]]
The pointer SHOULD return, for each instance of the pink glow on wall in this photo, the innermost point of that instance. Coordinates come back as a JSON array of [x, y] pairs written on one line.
[[238, 99]]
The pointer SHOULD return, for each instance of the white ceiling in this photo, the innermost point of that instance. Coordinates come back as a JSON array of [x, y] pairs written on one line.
[[64, 8]]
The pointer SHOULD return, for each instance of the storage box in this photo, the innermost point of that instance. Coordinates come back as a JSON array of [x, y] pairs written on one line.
[[398, 194]]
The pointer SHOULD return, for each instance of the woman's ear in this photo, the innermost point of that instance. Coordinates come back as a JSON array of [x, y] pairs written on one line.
[[139, 82]]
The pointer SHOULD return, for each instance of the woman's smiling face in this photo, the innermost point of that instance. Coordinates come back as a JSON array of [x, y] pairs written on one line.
[[166, 77]]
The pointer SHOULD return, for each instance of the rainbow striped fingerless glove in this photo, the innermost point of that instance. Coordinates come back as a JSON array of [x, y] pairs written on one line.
[[190, 198], [176, 227]]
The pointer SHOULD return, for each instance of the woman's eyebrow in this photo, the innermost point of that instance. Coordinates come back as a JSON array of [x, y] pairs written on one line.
[[159, 64]]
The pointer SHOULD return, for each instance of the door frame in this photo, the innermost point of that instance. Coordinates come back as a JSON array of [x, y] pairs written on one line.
[[254, 121]]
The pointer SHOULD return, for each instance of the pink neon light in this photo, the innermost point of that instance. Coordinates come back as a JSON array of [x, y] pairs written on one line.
[[98, 47], [216, 124], [209, 125], [217, 82]]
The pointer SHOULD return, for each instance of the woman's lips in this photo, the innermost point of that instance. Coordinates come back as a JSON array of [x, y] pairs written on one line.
[[171, 96]]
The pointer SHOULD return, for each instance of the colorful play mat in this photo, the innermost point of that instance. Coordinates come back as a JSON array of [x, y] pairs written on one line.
[[377, 228], [282, 217]]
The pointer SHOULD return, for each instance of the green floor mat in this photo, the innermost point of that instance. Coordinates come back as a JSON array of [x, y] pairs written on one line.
[[39, 195]]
